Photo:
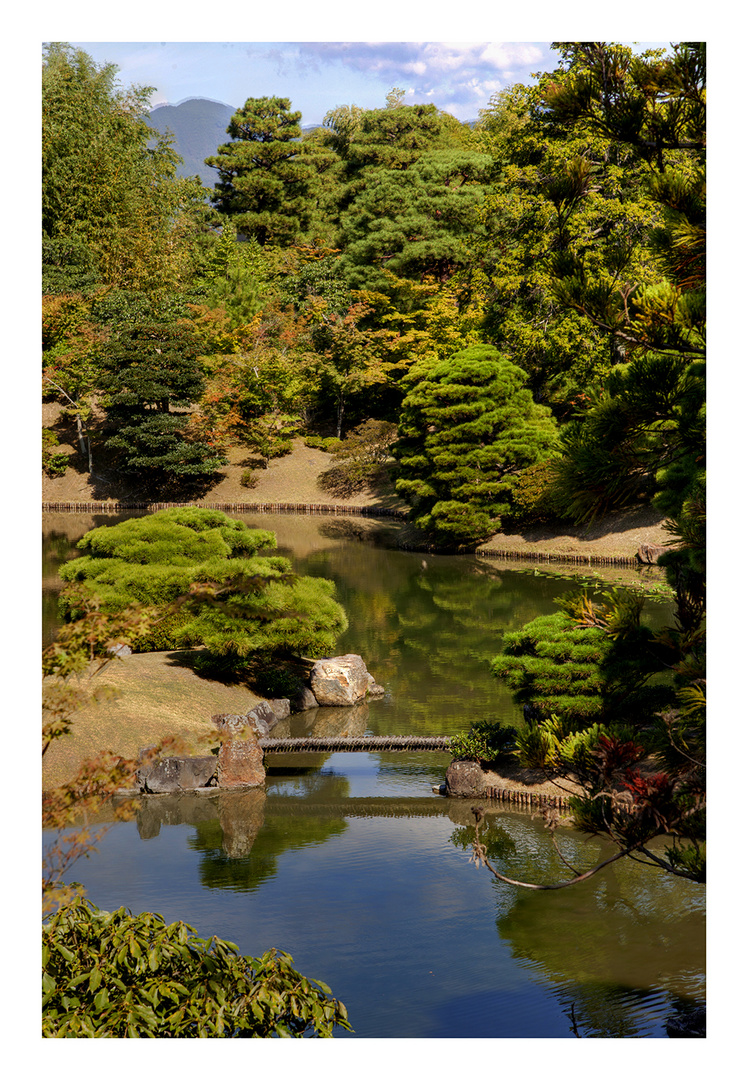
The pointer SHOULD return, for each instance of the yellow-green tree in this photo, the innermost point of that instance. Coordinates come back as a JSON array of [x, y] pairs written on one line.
[[113, 210]]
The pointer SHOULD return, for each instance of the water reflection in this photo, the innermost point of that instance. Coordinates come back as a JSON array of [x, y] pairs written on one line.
[[617, 949], [427, 626], [350, 863]]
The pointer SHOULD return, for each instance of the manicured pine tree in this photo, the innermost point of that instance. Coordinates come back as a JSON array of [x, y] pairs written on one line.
[[249, 607], [468, 427]]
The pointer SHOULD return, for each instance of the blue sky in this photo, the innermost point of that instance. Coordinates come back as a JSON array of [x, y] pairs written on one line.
[[459, 77]]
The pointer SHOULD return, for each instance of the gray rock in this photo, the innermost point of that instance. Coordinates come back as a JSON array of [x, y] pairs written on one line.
[[340, 680], [281, 707], [174, 774], [120, 650], [465, 779], [304, 700], [262, 718]]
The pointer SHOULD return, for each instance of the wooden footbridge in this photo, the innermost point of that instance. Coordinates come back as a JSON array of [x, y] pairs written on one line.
[[354, 743]]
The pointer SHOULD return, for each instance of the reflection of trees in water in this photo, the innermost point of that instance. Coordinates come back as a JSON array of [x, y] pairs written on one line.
[[618, 947], [429, 632], [240, 846]]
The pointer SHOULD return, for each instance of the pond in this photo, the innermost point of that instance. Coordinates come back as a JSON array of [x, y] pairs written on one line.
[[354, 866]]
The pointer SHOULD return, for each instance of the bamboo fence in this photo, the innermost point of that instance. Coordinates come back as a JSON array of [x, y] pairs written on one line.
[[235, 508]]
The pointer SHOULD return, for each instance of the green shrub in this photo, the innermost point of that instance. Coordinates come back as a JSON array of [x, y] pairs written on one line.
[[486, 741], [57, 464], [537, 743], [248, 479], [318, 442], [54, 464], [117, 975]]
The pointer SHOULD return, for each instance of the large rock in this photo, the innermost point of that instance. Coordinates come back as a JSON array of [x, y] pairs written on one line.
[[465, 778], [281, 707], [340, 680], [240, 764], [262, 718], [240, 756], [175, 774]]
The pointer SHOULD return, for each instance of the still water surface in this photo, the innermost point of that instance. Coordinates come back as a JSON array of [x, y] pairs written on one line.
[[350, 863]]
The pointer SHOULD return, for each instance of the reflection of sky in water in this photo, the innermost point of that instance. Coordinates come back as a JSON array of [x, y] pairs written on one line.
[[387, 908], [390, 912]]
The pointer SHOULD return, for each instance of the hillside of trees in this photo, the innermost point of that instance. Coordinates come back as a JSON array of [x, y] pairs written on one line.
[[329, 274], [510, 315]]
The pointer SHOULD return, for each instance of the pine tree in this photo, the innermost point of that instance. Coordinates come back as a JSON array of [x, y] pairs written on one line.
[[468, 427], [149, 367], [242, 606], [264, 178]]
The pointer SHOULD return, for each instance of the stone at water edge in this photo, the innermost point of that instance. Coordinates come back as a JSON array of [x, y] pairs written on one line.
[[465, 778], [304, 700], [175, 774], [342, 680], [650, 553], [266, 714], [240, 759]]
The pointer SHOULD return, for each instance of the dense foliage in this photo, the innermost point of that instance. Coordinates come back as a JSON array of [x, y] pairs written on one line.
[[116, 975], [468, 427], [240, 605], [522, 300]]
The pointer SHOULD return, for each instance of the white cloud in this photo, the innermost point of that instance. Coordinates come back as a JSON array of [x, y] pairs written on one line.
[[459, 76]]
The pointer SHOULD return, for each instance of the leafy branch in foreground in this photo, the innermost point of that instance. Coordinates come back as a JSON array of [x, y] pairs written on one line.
[[118, 975]]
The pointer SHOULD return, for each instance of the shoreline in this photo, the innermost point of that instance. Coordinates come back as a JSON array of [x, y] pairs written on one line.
[[536, 545]]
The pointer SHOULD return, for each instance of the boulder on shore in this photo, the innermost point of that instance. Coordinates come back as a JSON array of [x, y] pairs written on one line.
[[465, 778], [240, 758], [174, 774], [342, 680], [650, 553]]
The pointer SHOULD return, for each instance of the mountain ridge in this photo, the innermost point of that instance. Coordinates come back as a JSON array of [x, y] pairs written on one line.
[[199, 128]]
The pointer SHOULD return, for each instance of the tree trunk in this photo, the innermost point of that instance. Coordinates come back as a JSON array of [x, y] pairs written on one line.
[[84, 442]]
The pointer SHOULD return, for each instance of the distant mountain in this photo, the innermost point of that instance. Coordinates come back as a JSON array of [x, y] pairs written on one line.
[[199, 128]]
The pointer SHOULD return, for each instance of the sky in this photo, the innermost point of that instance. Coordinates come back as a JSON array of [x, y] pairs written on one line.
[[458, 77]]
